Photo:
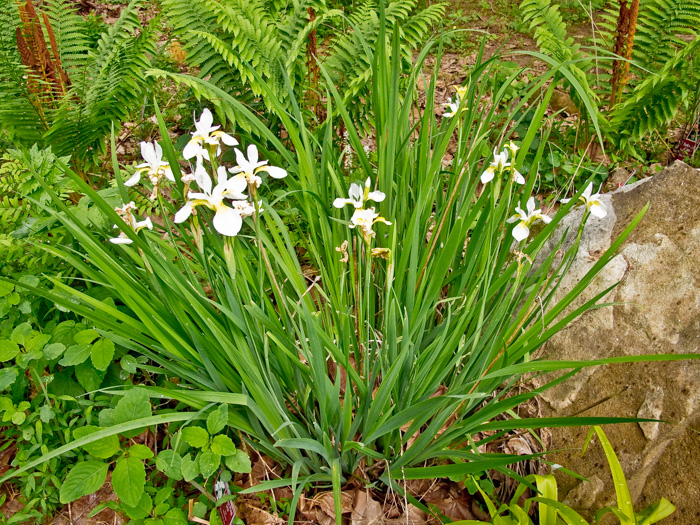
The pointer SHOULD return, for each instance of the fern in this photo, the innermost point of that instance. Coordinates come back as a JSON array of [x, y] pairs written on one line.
[[98, 86], [20, 118], [655, 101], [109, 87], [71, 35], [552, 38], [240, 44], [24, 226], [661, 23]]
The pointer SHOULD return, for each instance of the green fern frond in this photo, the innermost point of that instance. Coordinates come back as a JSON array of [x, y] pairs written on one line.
[[103, 84], [69, 29], [20, 117], [239, 43], [655, 101], [103, 96], [416, 27], [660, 26], [552, 38]]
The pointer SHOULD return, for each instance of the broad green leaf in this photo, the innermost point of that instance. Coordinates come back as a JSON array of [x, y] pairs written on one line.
[[6, 288], [54, 350], [162, 495], [19, 417], [170, 463], [196, 436], [238, 462], [31, 280], [36, 341], [141, 510], [83, 479], [128, 363], [46, 413], [103, 448], [140, 452], [8, 350], [134, 405], [24, 358], [175, 517], [217, 419], [7, 377], [102, 353], [75, 354], [160, 509], [190, 467], [63, 333], [20, 333], [223, 445], [209, 461], [88, 376], [129, 480], [85, 337]]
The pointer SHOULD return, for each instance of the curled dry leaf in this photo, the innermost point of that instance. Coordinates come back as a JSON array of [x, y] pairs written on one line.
[[325, 509], [366, 510], [248, 509]]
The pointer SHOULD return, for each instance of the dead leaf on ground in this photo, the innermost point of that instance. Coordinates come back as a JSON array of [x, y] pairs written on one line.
[[251, 514], [366, 510], [325, 507]]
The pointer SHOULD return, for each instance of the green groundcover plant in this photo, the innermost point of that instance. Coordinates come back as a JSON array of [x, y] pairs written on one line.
[[399, 332], [552, 512]]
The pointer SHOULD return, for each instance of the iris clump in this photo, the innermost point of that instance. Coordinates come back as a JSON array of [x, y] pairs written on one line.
[[394, 358]]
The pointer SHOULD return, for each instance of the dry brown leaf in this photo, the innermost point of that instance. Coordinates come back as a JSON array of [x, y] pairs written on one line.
[[412, 516], [366, 511], [325, 507]]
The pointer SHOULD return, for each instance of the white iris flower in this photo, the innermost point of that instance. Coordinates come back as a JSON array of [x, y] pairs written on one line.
[[227, 219], [359, 196], [206, 136], [592, 202], [525, 219], [453, 107], [248, 168], [154, 167], [365, 219], [499, 163]]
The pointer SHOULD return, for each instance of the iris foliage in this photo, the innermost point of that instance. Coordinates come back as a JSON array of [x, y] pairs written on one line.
[[388, 347]]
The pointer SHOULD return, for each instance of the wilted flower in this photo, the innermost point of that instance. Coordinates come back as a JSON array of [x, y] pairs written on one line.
[[521, 256], [359, 196], [365, 219], [126, 212], [343, 250], [592, 202], [248, 168], [383, 253], [227, 219], [206, 136], [526, 219], [154, 167]]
